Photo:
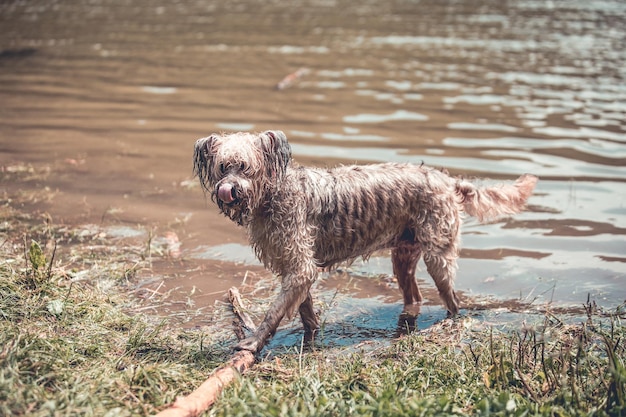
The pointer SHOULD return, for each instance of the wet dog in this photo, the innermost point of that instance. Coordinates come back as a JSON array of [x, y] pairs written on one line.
[[302, 219]]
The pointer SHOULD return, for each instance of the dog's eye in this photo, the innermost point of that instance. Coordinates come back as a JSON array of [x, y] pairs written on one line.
[[222, 168], [242, 167]]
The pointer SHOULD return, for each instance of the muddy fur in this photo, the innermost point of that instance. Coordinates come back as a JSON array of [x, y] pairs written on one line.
[[301, 219]]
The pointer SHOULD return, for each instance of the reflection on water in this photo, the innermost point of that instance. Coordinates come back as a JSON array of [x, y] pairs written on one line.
[[231, 252], [380, 118], [604, 148], [351, 321], [485, 88]]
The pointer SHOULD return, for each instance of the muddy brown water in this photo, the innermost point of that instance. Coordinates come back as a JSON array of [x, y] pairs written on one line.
[[111, 96]]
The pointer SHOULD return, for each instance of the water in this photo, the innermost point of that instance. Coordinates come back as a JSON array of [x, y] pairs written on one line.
[[110, 97]]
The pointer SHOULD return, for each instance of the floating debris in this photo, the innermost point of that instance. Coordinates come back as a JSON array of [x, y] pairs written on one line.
[[292, 78]]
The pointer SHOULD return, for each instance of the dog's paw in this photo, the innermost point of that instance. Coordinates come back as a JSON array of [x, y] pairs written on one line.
[[251, 343]]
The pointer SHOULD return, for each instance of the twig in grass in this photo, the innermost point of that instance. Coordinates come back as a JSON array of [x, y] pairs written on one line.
[[54, 251], [475, 357], [527, 387], [69, 290], [25, 252], [144, 308], [155, 292]]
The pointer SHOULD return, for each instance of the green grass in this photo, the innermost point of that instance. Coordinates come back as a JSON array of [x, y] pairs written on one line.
[[72, 346], [69, 348], [552, 370]]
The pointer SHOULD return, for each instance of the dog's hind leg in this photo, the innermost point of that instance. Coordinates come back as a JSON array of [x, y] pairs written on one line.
[[404, 259], [309, 319], [442, 268]]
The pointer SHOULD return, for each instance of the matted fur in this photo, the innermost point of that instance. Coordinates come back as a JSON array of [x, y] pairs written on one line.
[[301, 219]]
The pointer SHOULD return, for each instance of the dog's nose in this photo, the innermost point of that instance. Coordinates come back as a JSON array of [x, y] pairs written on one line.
[[226, 193]]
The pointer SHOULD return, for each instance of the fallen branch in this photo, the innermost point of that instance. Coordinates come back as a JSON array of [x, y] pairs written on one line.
[[206, 394], [235, 299]]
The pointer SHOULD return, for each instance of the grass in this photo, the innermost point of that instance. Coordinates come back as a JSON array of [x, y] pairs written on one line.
[[551, 370], [72, 342], [70, 348]]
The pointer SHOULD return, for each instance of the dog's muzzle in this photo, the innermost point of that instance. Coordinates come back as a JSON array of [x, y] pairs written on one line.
[[226, 193]]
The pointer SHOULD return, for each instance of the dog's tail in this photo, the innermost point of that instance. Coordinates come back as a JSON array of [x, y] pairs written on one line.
[[491, 202]]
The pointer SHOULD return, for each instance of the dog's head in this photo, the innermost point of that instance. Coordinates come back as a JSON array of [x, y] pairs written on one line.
[[238, 169]]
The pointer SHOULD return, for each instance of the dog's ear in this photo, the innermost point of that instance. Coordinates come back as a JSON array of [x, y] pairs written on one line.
[[203, 160], [276, 151]]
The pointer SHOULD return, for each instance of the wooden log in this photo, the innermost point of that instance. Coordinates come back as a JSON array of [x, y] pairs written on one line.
[[207, 393]]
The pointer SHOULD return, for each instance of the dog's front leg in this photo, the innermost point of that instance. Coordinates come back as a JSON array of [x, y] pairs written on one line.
[[287, 302]]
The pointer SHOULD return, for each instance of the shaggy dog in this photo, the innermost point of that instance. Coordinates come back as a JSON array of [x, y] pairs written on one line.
[[302, 219]]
